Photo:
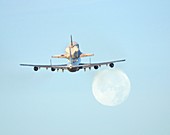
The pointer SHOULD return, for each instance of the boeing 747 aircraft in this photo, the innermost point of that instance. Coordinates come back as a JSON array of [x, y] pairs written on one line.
[[74, 55]]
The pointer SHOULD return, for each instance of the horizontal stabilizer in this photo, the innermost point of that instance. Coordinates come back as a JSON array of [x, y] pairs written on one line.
[[60, 56], [86, 55]]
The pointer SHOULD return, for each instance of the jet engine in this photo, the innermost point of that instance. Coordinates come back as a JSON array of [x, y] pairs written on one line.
[[111, 65], [35, 68], [52, 69], [96, 67]]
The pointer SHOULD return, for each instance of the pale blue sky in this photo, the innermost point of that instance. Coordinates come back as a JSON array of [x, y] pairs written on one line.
[[44, 103]]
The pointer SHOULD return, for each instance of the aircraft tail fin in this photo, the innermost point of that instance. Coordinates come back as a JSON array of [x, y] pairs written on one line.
[[71, 40], [70, 50]]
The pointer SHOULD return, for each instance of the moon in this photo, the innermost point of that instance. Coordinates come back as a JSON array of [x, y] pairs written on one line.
[[111, 87]]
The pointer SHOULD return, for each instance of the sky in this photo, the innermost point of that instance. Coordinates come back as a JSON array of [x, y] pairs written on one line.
[[46, 102]]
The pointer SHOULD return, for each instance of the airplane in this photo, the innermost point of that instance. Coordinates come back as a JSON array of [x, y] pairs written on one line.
[[74, 55]]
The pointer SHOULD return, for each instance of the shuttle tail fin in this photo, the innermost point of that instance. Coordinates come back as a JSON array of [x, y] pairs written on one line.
[[71, 58]]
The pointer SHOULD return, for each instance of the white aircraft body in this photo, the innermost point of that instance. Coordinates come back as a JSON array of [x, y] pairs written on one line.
[[74, 55]]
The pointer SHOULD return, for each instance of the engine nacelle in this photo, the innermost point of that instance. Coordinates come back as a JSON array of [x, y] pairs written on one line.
[[52, 69], [111, 65], [96, 67], [35, 68]]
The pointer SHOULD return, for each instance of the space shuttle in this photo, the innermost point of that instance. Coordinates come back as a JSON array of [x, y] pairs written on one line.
[[72, 51]]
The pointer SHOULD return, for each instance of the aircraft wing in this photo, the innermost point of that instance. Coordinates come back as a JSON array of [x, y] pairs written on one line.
[[89, 65], [36, 67], [67, 67]]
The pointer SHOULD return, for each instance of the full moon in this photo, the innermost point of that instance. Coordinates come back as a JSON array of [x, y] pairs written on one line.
[[111, 87]]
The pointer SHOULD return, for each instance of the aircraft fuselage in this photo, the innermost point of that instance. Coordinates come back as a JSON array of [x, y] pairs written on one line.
[[72, 63]]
